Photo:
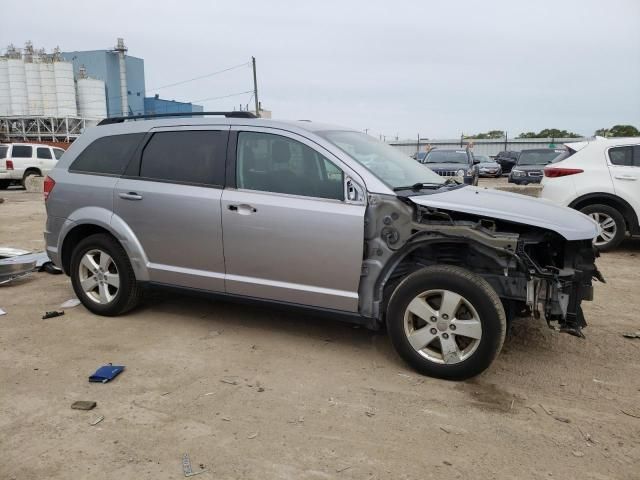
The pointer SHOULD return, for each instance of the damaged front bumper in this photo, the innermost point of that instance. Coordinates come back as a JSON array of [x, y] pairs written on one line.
[[556, 294]]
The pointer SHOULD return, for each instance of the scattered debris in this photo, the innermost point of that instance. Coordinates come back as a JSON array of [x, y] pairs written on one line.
[[545, 410], [532, 409], [208, 393], [404, 375], [597, 381], [586, 436], [97, 421], [448, 463], [106, 373], [2, 312], [73, 302], [187, 469], [252, 436], [52, 314], [226, 419], [512, 402], [230, 382], [164, 394], [340, 470], [635, 334], [83, 405], [260, 389], [16, 263], [556, 417], [630, 414], [444, 430], [577, 453], [369, 414]]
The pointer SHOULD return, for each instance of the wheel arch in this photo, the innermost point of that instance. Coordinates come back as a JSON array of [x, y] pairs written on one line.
[[30, 170], [612, 201]]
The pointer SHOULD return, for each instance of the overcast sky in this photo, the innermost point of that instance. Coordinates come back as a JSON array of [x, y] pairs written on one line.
[[393, 67]]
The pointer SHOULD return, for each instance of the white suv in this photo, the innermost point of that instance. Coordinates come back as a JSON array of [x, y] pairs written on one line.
[[601, 179], [20, 160]]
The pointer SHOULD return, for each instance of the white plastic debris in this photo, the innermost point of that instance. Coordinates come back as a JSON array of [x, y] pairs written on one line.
[[73, 302]]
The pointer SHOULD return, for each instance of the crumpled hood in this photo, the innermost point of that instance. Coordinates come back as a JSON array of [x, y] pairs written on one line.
[[516, 208]]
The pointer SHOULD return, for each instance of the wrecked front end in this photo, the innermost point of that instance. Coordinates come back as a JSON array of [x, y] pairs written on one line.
[[534, 270]]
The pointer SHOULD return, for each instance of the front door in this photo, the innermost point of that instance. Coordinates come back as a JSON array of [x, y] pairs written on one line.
[[289, 235], [172, 206]]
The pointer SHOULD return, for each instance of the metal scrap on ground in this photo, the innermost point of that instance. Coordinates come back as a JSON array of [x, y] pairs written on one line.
[[188, 469]]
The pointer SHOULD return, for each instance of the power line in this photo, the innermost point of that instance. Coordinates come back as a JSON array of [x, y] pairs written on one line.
[[202, 76]]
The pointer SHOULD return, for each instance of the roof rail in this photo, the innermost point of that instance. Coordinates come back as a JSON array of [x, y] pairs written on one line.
[[236, 114]]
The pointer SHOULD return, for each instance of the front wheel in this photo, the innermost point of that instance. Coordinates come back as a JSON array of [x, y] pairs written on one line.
[[446, 322], [102, 276]]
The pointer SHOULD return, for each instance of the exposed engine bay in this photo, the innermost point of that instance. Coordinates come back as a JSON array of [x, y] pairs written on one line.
[[534, 271]]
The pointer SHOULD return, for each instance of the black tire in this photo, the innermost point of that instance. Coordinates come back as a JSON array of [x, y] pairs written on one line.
[[475, 290], [616, 216], [4, 184], [128, 293]]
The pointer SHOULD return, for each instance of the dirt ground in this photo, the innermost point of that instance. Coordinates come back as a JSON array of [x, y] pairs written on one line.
[[255, 393]]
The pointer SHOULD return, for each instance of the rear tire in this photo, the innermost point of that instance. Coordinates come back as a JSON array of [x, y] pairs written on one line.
[[4, 184], [461, 324], [612, 223], [27, 174], [102, 276]]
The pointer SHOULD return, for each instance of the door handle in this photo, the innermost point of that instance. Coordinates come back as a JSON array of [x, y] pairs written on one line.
[[626, 177], [130, 196], [242, 209]]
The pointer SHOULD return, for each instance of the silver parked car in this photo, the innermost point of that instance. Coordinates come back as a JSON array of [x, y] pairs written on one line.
[[314, 216]]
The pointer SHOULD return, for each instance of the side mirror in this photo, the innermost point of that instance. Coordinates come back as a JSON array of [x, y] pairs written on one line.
[[354, 193]]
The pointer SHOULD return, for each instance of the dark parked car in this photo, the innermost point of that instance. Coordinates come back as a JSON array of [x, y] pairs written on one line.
[[488, 167], [454, 163], [419, 156], [531, 163], [507, 160]]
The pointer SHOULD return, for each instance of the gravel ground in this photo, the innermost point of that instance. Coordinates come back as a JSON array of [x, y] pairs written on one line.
[[257, 393]]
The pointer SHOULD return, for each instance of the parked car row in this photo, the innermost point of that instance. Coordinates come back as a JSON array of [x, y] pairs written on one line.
[[458, 164], [20, 160]]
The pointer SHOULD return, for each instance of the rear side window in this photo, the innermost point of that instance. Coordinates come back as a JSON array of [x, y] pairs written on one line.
[[188, 156], [107, 155], [3, 151], [57, 152], [22, 151], [625, 156], [43, 152]]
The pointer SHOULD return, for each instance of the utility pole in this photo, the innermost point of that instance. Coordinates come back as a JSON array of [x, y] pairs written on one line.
[[255, 86]]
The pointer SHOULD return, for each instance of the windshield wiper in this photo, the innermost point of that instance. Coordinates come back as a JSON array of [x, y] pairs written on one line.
[[418, 186]]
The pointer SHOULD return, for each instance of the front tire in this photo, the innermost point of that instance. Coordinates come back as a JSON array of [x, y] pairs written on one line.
[[612, 224], [446, 322], [102, 276]]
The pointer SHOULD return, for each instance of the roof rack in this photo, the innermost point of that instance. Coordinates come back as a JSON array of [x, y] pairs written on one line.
[[236, 114]]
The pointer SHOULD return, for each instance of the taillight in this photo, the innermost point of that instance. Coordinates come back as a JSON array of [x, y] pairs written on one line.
[[9, 164], [49, 183], [554, 172]]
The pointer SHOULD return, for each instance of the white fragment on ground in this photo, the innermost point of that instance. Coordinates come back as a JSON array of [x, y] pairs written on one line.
[[72, 302], [2, 312]]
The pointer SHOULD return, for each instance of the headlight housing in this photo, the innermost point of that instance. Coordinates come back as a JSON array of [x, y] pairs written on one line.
[[517, 173], [460, 173]]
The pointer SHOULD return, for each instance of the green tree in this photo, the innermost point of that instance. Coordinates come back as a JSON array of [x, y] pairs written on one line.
[[491, 134], [550, 133], [624, 131]]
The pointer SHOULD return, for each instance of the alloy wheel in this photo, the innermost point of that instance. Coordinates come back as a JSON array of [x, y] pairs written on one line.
[[99, 276], [442, 326], [608, 228]]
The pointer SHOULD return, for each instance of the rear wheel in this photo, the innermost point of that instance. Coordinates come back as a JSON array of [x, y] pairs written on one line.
[[27, 175], [446, 322], [612, 225], [4, 184], [102, 276]]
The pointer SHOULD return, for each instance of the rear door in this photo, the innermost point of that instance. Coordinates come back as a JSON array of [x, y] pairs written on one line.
[[624, 166], [289, 234], [170, 198]]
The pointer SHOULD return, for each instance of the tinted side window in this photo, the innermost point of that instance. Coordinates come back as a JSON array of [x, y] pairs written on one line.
[[107, 155], [621, 156], [273, 163], [22, 151], [186, 157], [57, 152], [636, 156], [43, 152], [3, 151]]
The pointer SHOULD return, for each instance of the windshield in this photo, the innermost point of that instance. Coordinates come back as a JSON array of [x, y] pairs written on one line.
[[447, 156], [538, 157], [483, 158], [390, 165]]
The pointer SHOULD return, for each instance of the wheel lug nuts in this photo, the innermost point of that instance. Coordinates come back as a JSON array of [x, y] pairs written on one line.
[[452, 327], [445, 316], [445, 335], [434, 331], [433, 319]]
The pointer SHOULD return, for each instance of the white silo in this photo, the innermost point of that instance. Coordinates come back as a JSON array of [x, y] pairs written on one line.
[[92, 99], [18, 87], [34, 91], [65, 89], [5, 92], [48, 89]]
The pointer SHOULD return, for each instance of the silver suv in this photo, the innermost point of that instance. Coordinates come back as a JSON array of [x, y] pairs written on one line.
[[315, 216]]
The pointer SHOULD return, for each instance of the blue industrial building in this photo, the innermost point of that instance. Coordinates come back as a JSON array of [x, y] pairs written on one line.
[[103, 65], [156, 104]]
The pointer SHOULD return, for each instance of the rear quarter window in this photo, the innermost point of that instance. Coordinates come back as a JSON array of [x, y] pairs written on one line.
[[107, 155], [622, 156], [3, 151], [22, 151], [57, 152]]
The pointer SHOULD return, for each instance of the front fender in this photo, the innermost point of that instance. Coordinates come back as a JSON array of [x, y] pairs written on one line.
[[107, 220]]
